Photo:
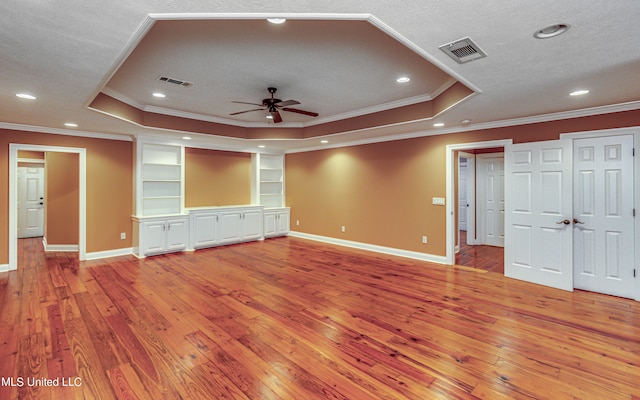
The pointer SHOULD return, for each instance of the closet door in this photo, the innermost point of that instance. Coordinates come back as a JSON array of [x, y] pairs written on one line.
[[538, 213], [603, 212]]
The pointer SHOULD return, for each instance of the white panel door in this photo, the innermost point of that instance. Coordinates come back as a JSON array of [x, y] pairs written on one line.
[[603, 212], [538, 205], [30, 201], [491, 199]]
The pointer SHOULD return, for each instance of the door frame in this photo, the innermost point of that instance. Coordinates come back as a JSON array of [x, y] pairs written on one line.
[[13, 197], [451, 182], [471, 197], [635, 131]]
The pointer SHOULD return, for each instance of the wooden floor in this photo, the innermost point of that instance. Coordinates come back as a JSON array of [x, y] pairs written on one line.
[[488, 258], [294, 319]]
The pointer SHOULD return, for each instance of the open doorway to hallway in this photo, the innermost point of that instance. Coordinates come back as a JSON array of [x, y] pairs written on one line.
[[480, 209]]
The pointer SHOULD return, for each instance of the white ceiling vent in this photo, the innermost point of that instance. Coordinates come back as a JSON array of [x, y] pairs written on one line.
[[175, 81], [463, 50]]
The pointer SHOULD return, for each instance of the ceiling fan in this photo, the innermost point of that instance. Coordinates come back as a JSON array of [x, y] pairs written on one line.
[[273, 105]]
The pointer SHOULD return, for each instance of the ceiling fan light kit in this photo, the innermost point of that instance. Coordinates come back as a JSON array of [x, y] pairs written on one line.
[[274, 105]]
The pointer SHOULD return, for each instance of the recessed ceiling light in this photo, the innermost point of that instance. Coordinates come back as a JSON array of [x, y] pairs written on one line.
[[269, 116], [403, 79], [70, 124], [159, 95], [186, 138], [581, 92], [438, 124], [465, 122], [262, 146], [551, 31], [324, 141], [277, 21], [26, 96]]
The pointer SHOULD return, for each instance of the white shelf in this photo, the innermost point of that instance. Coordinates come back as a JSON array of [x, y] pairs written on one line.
[[161, 186], [269, 183]]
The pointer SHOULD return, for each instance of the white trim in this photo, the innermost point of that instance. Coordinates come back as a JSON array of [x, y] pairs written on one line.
[[96, 255], [471, 197], [450, 257], [13, 196], [371, 247], [72, 248], [57, 131], [601, 133], [4, 268]]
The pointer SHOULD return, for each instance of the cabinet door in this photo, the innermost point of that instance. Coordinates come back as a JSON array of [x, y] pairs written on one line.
[[270, 225], [230, 227], [177, 234], [252, 224], [205, 230], [154, 237], [283, 223]]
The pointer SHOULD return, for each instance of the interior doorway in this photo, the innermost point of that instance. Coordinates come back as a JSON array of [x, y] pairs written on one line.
[[13, 196], [462, 246]]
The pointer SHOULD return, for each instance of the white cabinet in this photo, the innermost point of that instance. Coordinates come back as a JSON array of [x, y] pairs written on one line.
[[276, 222], [268, 184], [240, 224], [213, 226], [204, 228], [162, 234]]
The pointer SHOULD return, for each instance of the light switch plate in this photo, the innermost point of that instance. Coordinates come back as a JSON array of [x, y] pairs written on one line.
[[438, 201]]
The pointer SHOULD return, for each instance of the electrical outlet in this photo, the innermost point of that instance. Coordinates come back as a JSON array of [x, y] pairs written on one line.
[[424, 239], [298, 222], [344, 228], [123, 235]]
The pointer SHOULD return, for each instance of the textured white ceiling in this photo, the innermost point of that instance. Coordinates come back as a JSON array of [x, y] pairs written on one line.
[[65, 53]]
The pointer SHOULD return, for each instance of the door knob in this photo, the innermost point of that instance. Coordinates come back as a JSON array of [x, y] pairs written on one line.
[[564, 221], [577, 221]]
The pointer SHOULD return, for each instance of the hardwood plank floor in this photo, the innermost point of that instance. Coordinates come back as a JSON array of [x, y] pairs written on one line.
[[294, 319], [488, 258]]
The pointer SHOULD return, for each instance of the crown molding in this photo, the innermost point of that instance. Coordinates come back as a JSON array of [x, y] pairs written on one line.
[[66, 132]]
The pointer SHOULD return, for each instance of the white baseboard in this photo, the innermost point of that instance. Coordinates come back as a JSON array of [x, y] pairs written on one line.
[[5, 268], [372, 247], [110, 253], [59, 247]]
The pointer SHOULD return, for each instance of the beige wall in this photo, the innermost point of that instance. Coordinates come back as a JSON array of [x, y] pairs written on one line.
[[62, 207], [109, 187], [217, 178], [382, 193]]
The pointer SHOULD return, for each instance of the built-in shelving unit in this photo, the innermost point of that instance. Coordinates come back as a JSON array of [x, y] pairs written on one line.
[[269, 180], [161, 180]]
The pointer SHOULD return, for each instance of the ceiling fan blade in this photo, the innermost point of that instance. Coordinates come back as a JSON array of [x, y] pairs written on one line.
[[244, 102], [242, 112], [276, 116], [295, 110], [287, 103]]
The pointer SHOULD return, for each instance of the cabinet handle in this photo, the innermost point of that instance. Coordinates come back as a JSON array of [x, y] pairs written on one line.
[[168, 227], [164, 227]]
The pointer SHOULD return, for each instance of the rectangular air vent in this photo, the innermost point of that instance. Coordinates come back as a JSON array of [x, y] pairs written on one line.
[[175, 81], [463, 50]]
